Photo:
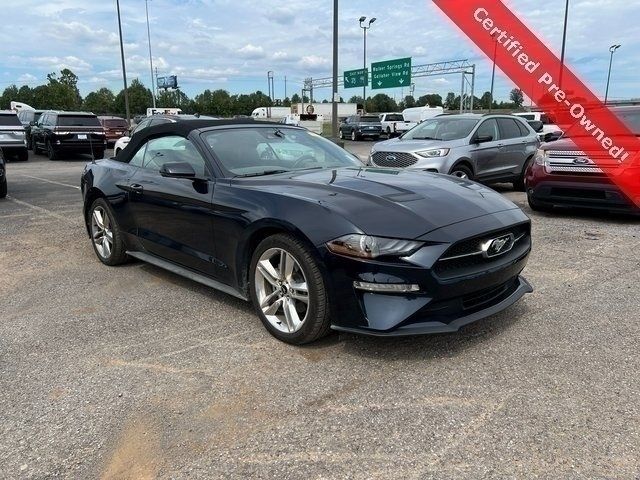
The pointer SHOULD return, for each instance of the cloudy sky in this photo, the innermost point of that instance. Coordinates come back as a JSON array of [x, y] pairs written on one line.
[[231, 44]]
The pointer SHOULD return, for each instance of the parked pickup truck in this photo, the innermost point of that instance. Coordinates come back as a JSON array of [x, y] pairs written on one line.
[[389, 122], [550, 131]]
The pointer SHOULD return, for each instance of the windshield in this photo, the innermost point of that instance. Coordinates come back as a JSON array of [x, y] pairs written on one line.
[[10, 120], [394, 118], [263, 151], [370, 119], [442, 128], [116, 123], [78, 121], [630, 118]]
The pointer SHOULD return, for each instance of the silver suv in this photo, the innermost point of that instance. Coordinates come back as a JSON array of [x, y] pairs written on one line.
[[487, 148], [13, 142]]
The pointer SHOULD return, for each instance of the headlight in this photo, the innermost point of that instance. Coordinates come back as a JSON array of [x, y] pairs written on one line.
[[437, 152], [365, 246], [541, 157]]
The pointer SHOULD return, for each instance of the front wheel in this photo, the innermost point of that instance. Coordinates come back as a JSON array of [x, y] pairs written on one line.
[[461, 171], [51, 152], [3, 187], [519, 184], [23, 156], [106, 236], [341, 134], [539, 207], [354, 136], [288, 290]]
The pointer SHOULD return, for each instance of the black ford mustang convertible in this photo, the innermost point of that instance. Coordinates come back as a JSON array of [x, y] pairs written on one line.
[[316, 241]]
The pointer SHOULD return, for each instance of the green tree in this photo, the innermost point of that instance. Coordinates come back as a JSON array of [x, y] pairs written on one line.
[[140, 98], [218, 102], [409, 101], [295, 99], [381, 103], [62, 91], [450, 101], [10, 94], [100, 102], [174, 99], [431, 100], [485, 100], [517, 97]]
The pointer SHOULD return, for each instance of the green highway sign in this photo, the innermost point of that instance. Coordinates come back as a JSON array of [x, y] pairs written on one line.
[[355, 78], [391, 74]]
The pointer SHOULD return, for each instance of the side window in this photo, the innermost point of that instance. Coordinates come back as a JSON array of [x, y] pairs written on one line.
[[488, 128], [508, 128], [172, 149], [545, 119], [524, 131], [44, 120], [138, 158], [141, 126]]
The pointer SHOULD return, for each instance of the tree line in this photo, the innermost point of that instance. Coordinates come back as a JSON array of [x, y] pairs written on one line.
[[61, 93]]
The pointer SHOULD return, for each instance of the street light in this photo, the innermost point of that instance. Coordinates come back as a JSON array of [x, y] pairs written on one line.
[[124, 68], [493, 74], [365, 28], [564, 43], [153, 86], [612, 49]]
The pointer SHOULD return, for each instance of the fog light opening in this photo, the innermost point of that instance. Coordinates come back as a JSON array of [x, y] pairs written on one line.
[[386, 287]]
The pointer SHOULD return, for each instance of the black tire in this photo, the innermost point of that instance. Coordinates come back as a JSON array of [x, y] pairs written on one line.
[[3, 187], [51, 152], [23, 156], [36, 150], [376, 138], [519, 184], [461, 171], [539, 207], [98, 154], [389, 134], [318, 318], [117, 255], [354, 136], [340, 134]]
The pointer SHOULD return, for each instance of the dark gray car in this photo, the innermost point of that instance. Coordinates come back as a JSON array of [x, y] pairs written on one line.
[[487, 148], [356, 127]]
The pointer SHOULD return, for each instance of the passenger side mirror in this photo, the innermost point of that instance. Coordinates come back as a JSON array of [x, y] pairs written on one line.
[[536, 125], [483, 139], [177, 170]]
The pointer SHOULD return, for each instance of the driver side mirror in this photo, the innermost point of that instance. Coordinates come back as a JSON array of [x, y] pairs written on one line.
[[177, 170], [482, 139]]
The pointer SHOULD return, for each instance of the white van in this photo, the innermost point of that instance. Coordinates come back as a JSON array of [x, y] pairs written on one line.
[[416, 115], [163, 111]]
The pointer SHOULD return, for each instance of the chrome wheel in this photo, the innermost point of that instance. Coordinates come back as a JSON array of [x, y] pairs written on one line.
[[281, 290], [354, 137], [460, 174], [101, 232]]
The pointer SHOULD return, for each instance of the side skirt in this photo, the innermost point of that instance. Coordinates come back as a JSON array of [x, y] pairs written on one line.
[[184, 272]]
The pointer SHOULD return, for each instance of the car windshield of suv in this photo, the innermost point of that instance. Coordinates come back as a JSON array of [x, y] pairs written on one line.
[[630, 118], [115, 123], [78, 121], [370, 119], [394, 118], [442, 128], [10, 120], [249, 152]]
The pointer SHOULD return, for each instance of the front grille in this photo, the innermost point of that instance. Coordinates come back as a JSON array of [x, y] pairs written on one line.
[[393, 159], [580, 163], [486, 296], [466, 256]]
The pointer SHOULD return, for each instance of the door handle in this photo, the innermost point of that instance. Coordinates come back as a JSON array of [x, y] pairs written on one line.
[[136, 188]]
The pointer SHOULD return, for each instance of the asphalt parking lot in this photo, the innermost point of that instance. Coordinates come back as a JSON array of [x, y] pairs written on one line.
[[133, 372]]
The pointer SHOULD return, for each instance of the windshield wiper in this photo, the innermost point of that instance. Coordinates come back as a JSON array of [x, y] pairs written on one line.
[[424, 138], [260, 174]]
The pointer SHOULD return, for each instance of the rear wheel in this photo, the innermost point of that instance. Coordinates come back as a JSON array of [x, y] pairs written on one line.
[[461, 171], [106, 236], [354, 136], [288, 291], [3, 187]]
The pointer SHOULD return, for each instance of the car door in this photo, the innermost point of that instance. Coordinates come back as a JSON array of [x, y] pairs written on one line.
[[486, 155], [173, 215], [514, 152], [36, 130]]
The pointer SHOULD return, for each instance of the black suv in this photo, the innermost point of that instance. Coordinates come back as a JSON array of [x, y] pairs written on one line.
[[28, 118], [73, 132], [3, 178], [356, 127]]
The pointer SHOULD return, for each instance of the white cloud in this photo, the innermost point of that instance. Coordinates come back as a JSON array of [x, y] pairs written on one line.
[[27, 78], [250, 51]]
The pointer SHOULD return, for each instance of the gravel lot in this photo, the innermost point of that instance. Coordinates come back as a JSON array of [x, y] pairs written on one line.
[[133, 372]]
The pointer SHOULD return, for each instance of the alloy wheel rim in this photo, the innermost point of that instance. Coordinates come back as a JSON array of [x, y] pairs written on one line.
[[353, 135], [101, 232], [460, 174], [282, 290]]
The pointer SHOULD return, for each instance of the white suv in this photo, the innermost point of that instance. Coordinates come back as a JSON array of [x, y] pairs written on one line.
[[550, 131]]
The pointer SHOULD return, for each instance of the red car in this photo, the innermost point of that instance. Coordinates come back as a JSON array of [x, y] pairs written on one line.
[[562, 175], [114, 128]]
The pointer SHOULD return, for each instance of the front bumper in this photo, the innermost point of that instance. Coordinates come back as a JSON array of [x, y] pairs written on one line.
[[514, 291], [579, 191]]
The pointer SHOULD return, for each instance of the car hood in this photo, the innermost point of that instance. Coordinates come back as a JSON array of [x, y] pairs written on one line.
[[563, 144], [400, 145], [389, 202]]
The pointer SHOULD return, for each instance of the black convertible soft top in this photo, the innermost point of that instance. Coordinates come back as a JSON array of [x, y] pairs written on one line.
[[181, 128]]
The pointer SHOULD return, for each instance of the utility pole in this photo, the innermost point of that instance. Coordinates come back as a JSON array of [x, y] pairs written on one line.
[[365, 28], [564, 43], [285, 86], [493, 74], [334, 100], [153, 87], [612, 49], [124, 67]]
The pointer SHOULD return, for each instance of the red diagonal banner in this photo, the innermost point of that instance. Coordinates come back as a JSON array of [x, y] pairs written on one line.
[[493, 27]]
